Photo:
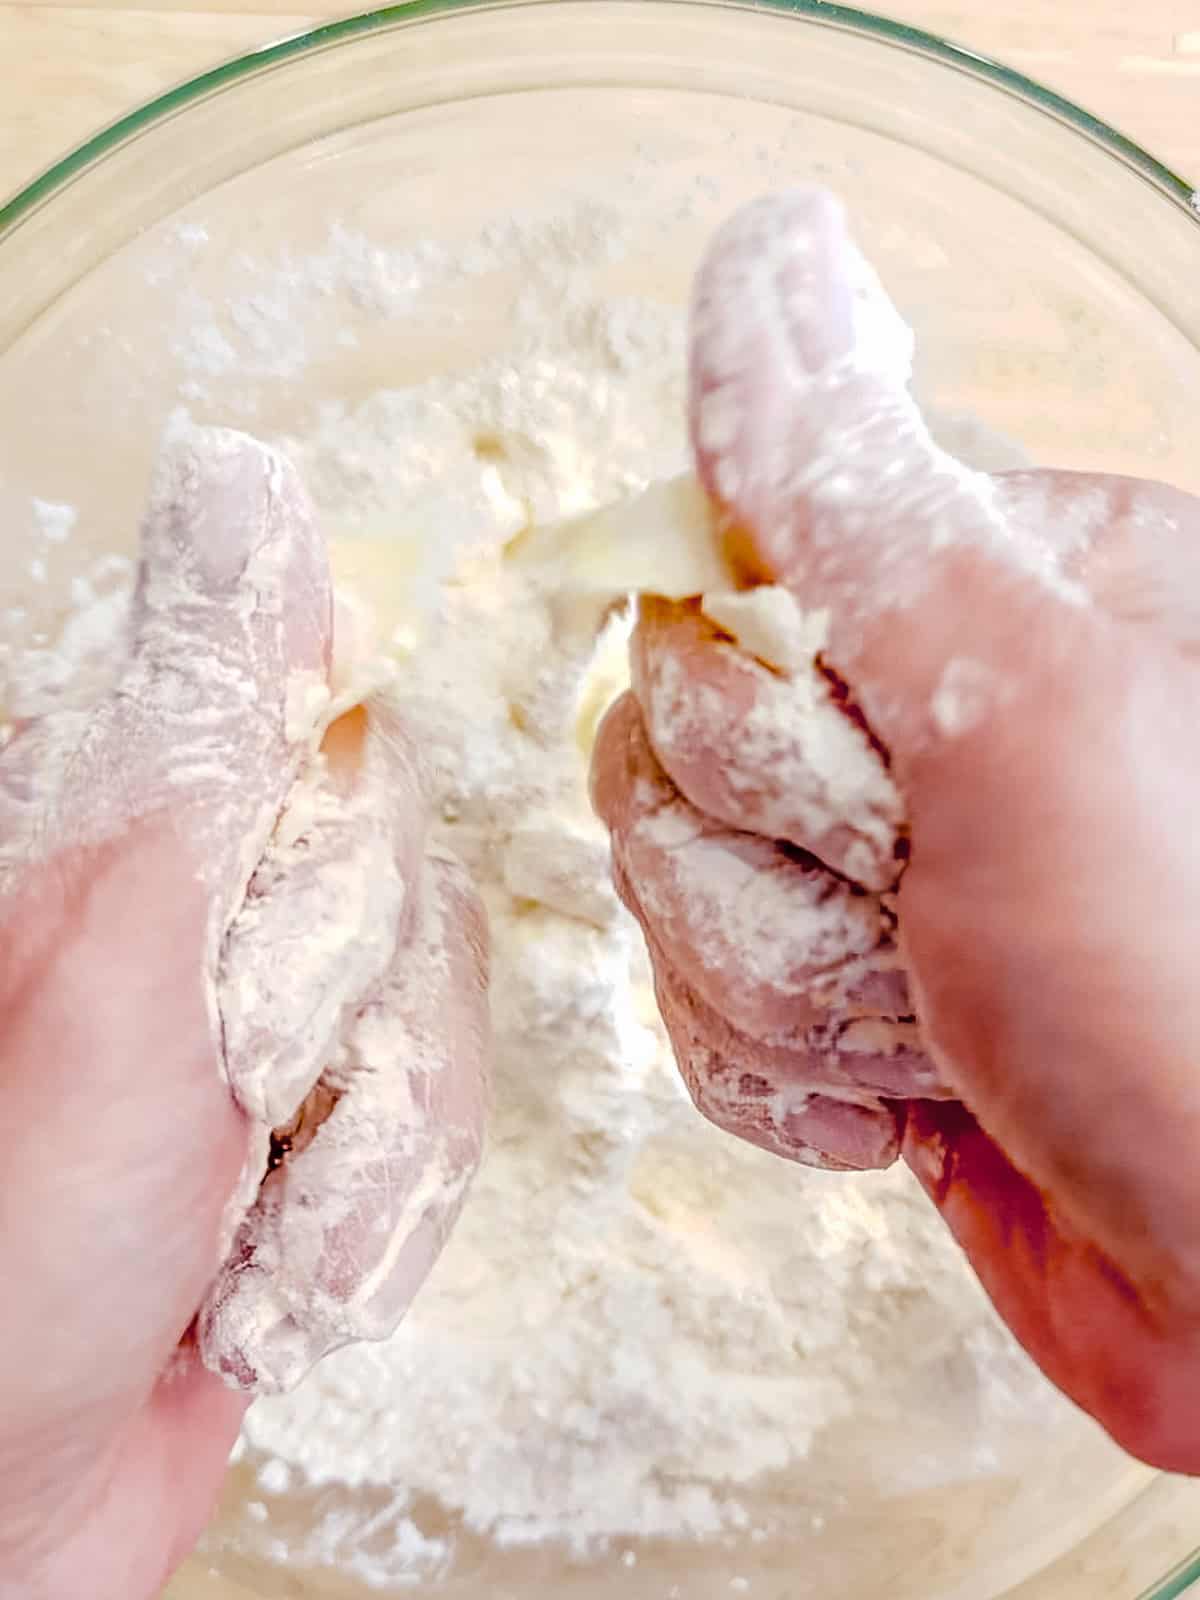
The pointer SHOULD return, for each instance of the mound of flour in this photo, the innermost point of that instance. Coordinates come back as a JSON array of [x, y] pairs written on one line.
[[637, 1318]]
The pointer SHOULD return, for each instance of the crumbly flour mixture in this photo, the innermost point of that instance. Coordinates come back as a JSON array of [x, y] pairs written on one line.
[[637, 1317]]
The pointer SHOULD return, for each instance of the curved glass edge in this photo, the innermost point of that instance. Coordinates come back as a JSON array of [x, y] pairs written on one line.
[[822, 12], [1178, 1584], [848, 18]]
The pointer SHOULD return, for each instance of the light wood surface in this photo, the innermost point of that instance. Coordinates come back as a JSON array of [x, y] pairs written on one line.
[[69, 69]]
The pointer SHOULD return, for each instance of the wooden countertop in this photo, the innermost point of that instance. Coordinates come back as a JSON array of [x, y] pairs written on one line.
[[71, 68]]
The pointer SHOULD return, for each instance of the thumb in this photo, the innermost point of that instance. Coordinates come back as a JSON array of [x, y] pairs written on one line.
[[806, 435], [212, 711], [231, 643], [1044, 745]]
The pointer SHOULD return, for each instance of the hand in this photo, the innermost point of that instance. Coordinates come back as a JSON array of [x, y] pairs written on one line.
[[161, 1018], [1019, 655]]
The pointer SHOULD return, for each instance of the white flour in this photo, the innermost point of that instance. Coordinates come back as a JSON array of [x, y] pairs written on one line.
[[637, 1317]]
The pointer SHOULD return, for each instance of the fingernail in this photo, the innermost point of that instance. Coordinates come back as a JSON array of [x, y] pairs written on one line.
[[807, 270], [211, 498]]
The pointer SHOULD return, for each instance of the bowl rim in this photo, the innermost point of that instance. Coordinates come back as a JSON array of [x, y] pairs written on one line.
[[47, 184], [822, 13], [1177, 1584]]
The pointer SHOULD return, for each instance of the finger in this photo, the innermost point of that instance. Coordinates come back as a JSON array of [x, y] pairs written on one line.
[[833, 485], [320, 921], [844, 1028], [1134, 1367], [767, 937], [767, 1094], [347, 1227], [231, 640], [867, 1046], [762, 751], [216, 705]]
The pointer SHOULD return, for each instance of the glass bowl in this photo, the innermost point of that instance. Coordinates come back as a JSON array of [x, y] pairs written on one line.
[[245, 246]]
